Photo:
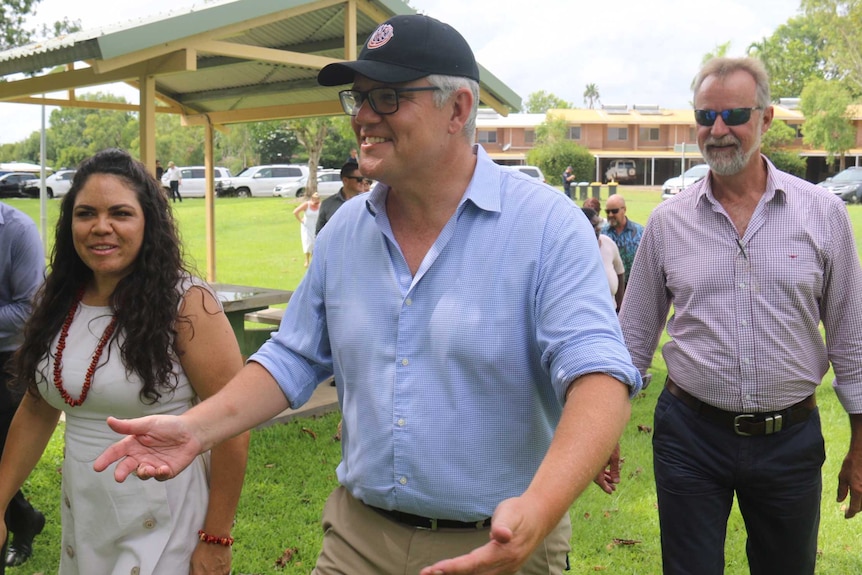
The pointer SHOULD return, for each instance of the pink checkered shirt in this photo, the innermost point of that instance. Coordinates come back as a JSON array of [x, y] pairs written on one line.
[[745, 330]]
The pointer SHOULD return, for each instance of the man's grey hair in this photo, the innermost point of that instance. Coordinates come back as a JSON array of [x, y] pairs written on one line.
[[724, 67], [449, 85]]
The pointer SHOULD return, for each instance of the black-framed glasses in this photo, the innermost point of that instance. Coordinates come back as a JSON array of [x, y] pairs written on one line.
[[359, 179], [731, 117], [383, 101], [613, 211]]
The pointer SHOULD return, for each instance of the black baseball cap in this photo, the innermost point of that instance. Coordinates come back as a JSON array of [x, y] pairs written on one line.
[[406, 48]]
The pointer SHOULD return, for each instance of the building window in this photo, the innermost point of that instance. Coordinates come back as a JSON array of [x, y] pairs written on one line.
[[797, 128], [648, 134], [574, 132], [529, 137], [487, 136], [618, 134], [692, 134]]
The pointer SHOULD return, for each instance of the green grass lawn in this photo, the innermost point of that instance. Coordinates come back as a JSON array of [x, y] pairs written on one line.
[[292, 466]]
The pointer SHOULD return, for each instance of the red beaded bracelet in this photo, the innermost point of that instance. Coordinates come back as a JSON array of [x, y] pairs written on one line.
[[203, 536]]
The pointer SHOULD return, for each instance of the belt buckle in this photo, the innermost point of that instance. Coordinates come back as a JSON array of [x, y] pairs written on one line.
[[736, 421]]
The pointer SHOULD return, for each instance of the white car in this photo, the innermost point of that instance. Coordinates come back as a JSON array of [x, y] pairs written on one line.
[[193, 184], [56, 185], [328, 184], [262, 180], [532, 171], [675, 185]]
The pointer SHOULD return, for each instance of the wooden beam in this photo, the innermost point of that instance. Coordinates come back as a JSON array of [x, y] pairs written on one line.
[[350, 30], [181, 61], [209, 202], [247, 52], [91, 104], [329, 108], [487, 99], [147, 122], [372, 12]]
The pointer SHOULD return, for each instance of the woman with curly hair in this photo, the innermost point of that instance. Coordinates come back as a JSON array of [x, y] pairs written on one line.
[[122, 328]]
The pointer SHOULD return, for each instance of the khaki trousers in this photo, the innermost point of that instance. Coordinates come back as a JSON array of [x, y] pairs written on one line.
[[359, 541]]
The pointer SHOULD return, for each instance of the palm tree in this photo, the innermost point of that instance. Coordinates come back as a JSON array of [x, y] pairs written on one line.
[[591, 95]]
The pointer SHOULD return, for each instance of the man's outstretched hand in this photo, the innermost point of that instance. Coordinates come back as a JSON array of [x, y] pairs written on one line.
[[158, 446]]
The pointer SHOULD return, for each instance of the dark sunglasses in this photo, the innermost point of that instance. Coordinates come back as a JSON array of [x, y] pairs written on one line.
[[732, 117], [383, 101], [359, 179], [613, 212]]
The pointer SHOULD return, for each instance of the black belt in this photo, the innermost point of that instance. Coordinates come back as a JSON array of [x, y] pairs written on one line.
[[420, 522], [747, 423]]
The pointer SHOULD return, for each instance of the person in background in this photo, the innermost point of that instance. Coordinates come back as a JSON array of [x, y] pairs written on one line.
[[306, 213], [624, 232], [160, 171], [611, 259], [352, 184], [175, 180], [121, 328], [22, 270], [568, 178], [353, 156], [752, 261], [595, 204], [481, 372]]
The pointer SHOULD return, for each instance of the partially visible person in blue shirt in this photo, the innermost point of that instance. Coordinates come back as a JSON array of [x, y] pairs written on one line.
[[465, 314], [22, 270], [625, 233]]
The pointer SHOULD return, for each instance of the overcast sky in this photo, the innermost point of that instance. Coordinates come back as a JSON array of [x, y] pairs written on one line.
[[636, 52]]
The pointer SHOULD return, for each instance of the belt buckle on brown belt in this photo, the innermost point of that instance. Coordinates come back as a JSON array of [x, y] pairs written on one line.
[[772, 424]]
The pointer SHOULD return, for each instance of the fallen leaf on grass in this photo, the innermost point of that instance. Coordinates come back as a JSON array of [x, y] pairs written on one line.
[[287, 557], [587, 515], [626, 541], [309, 432], [599, 567], [269, 465], [644, 428], [337, 436]]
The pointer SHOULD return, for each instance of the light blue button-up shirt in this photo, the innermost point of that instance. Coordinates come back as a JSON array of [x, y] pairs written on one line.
[[451, 381]]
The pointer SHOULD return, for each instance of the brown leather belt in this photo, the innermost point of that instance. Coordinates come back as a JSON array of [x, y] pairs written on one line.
[[420, 522], [747, 423]]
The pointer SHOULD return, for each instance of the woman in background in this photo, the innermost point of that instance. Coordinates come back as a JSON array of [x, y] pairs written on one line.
[[121, 328], [307, 213]]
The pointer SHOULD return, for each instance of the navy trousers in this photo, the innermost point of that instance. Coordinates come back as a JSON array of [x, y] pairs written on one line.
[[699, 466]]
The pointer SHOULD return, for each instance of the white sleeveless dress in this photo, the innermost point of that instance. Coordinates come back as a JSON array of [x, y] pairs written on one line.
[[309, 228], [110, 528]]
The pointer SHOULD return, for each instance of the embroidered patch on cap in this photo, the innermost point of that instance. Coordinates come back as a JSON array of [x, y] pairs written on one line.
[[381, 36]]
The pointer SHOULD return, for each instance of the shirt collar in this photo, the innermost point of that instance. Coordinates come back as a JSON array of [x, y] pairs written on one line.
[[483, 190], [772, 191]]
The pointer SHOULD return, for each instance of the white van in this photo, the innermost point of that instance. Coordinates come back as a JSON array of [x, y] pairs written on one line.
[[262, 180], [193, 184]]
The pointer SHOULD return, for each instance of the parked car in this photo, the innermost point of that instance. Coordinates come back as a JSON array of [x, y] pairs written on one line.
[[328, 184], [194, 181], [675, 185], [262, 180], [846, 184], [10, 184], [622, 171], [56, 185], [533, 171]]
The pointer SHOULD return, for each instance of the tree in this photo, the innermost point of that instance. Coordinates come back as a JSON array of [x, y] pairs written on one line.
[[540, 102], [591, 96], [773, 143], [793, 55], [553, 151], [312, 134], [13, 14], [828, 124], [839, 21]]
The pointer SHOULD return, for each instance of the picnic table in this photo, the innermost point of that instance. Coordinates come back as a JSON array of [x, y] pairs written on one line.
[[239, 300]]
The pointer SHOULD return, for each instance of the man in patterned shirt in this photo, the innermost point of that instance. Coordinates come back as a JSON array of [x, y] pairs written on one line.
[[752, 260], [625, 233]]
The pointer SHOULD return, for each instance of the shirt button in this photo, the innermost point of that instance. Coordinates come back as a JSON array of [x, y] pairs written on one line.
[[149, 523], [402, 480], [746, 361], [747, 396], [404, 361], [742, 285], [135, 571], [401, 422], [408, 301]]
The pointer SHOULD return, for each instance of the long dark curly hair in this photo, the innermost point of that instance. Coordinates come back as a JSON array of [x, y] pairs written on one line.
[[145, 302]]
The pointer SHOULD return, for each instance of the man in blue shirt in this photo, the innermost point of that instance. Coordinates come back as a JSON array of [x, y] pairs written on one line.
[[464, 312], [22, 270], [625, 233]]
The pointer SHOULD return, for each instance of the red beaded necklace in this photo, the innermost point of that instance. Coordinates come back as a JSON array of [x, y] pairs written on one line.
[[61, 345]]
